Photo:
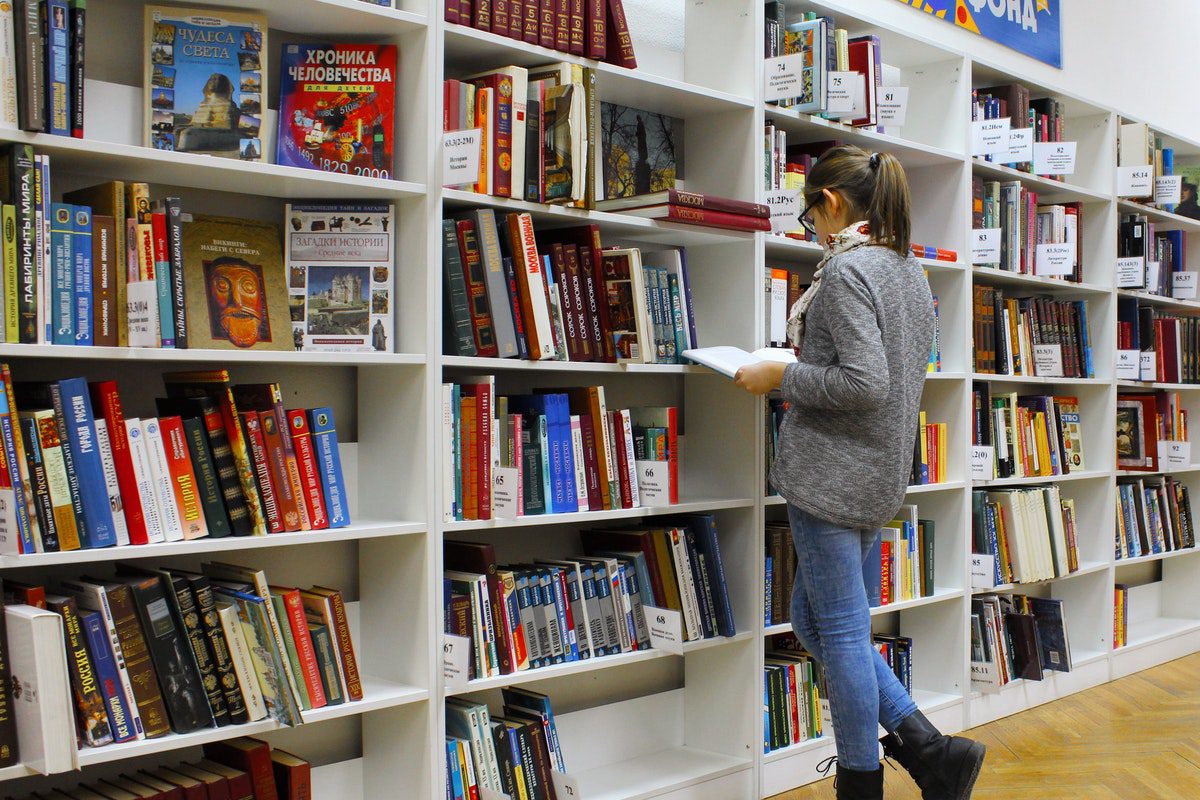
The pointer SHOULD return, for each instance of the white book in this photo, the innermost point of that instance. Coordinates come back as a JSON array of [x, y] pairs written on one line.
[[610, 472], [92, 597], [110, 481], [621, 602], [450, 501], [528, 266], [630, 465], [728, 360], [579, 608], [779, 309], [144, 477], [1058, 531], [489, 745], [160, 477], [687, 586], [41, 690], [8, 69], [581, 495], [243, 665]]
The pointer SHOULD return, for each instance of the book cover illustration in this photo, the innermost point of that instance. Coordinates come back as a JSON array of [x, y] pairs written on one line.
[[641, 151], [336, 103], [205, 80], [340, 271], [234, 287]]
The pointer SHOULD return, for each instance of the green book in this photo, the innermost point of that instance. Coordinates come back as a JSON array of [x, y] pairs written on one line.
[[327, 663], [927, 583], [289, 642]]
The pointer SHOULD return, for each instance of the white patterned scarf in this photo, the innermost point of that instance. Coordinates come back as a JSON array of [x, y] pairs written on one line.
[[854, 235]]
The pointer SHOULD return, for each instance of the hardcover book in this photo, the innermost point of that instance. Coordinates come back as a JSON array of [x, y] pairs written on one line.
[[641, 152], [340, 269], [335, 108], [203, 67], [234, 285]]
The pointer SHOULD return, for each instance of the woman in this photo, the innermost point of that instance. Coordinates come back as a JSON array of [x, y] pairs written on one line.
[[863, 331]]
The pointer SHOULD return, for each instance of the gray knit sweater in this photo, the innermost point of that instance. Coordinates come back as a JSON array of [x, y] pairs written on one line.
[[846, 443]]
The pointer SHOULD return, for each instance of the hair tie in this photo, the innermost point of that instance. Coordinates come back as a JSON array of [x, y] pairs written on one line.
[[874, 160]]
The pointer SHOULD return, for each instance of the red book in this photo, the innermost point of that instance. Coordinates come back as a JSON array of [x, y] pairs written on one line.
[[793, 702], [617, 39], [293, 776], [239, 781], [476, 282], [482, 16], [503, 121], [183, 478], [500, 12], [931, 449], [596, 42], [702, 216], [482, 395], [591, 268], [451, 14], [591, 463], [885, 572], [861, 59], [107, 403], [262, 470], [285, 499], [252, 756], [575, 299], [309, 668], [480, 558], [268, 397], [616, 425], [469, 457], [679, 197], [516, 19], [562, 25], [546, 23], [529, 31], [192, 788], [24, 594], [217, 786], [464, 12], [577, 26], [570, 323], [104, 281], [341, 634], [168, 791], [310, 476]]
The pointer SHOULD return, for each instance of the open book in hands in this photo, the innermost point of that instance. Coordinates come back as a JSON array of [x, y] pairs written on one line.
[[728, 360]]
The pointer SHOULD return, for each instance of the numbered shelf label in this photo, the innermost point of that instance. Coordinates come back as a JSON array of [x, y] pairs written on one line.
[[985, 246], [891, 106], [985, 677], [983, 571], [1174, 455], [1047, 360], [1136, 181], [666, 629], [989, 137], [1168, 189], [846, 93], [1128, 365], [785, 205], [456, 654], [983, 459], [654, 482], [460, 157], [1056, 259], [1148, 365], [505, 489], [1183, 285], [1131, 273], [1019, 146], [1054, 158], [785, 77], [565, 786]]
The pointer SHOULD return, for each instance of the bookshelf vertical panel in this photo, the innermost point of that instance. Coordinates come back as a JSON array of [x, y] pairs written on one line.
[[1095, 137], [398, 754], [1087, 608], [395, 461], [721, 715], [932, 88], [722, 42]]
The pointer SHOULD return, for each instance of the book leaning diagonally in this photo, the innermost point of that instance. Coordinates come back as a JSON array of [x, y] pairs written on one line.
[[728, 360]]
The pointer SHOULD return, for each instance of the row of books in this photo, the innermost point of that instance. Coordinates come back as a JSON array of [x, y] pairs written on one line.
[[1045, 116], [1172, 340], [595, 29], [1137, 146], [1024, 225], [1153, 516], [528, 616], [775, 407], [1031, 435], [559, 295], [220, 460], [109, 267], [930, 452], [513, 754], [237, 769], [826, 48], [1146, 423], [1014, 636], [553, 452], [795, 696], [156, 651], [1162, 254], [1120, 615], [1030, 533], [782, 288], [1030, 335], [42, 48]]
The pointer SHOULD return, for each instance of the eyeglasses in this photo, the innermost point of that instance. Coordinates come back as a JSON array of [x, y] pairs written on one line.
[[806, 219]]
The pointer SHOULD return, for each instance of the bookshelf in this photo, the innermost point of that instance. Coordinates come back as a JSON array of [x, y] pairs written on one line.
[[699, 722]]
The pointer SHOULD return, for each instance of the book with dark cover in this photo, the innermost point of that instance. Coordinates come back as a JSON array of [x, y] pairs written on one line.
[[17, 184], [58, 58], [1052, 633], [480, 558], [707, 544], [172, 210], [251, 756], [73, 406], [78, 30], [237, 780], [492, 267], [476, 285], [216, 785], [1022, 637], [192, 788], [293, 776], [9, 751], [458, 338], [619, 44], [504, 758], [146, 693], [31, 70], [43, 502], [208, 485], [174, 666], [166, 790], [327, 662], [91, 718], [105, 666], [188, 615], [210, 622]]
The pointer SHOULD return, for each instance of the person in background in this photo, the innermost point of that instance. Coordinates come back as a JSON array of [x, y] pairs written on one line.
[[863, 332], [1188, 206]]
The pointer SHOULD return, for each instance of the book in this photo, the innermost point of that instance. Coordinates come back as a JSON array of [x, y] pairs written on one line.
[[46, 729], [306, 461], [243, 663], [340, 260], [690, 215], [30, 69], [91, 716], [327, 605], [335, 108], [251, 756], [728, 360], [116, 702], [58, 56], [642, 155], [73, 404], [187, 496], [293, 775], [234, 285], [9, 747], [151, 708], [196, 62], [329, 465]]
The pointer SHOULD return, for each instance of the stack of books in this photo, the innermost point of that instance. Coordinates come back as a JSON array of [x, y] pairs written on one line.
[[1031, 533], [41, 65], [1032, 435], [929, 453], [1015, 636], [1172, 339], [693, 208], [1161, 254], [1008, 329], [1154, 515]]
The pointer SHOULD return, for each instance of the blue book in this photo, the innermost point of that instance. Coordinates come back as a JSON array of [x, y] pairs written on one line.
[[873, 573], [62, 271], [81, 251], [686, 288], [559, 458], [1168, 168], [558, 599], [769, 597], [544, 455], [329, 465], [705, 527], [72, 404], [766, 710], [22, 510], [105, 666], [162, 280], [540, 705], [58, 76], [454, 773]]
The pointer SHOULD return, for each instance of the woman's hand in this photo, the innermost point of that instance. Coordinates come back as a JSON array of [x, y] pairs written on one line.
[[760, 378]]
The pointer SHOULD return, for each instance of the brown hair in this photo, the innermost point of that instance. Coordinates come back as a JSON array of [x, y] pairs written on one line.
[[875, 186]]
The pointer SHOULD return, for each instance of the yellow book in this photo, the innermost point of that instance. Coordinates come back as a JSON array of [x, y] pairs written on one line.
[[1043, 444], [943, 445], [8, 220]]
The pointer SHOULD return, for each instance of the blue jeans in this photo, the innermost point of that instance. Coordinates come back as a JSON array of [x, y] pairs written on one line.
[[831, 617]]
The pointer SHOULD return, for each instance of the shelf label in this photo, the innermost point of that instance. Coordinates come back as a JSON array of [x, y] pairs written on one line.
[[845, 93], [1128, 365], [785, 77], [456, 654], [1019, 146], [1148, 365], [654, 482], [1047, 360], [1152, 272], [505, 484], [983, 457], [141, 305], [985, 677], [891, 106], [666, 629], [1174, 455], [1131, 273], [1056, 259], [989, 137], [460, 157], [985, 246], [1168, 189], [1136, 181], [565, 786], [983, 571], [1183, 285], [1054, 158], [785, 205]]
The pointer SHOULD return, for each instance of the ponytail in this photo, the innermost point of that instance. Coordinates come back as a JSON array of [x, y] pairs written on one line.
[[875, 186]]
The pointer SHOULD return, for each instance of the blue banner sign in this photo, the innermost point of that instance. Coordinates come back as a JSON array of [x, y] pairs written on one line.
[[1032, 27]]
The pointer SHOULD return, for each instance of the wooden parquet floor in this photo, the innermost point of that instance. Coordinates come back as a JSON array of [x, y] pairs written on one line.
[[1137, 738]]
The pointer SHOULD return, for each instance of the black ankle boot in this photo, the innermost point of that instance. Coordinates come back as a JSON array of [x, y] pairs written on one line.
[[854, 785], [944, 767]]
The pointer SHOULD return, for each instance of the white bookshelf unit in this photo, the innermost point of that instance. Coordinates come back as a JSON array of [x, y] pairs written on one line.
[[646, 724]]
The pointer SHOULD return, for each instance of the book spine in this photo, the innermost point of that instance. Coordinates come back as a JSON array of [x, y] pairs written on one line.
[[285, 496], [596, 41], [529, 32], [31, 70], [546, 23], [81, 255], [451, 12], [226, 673], [174, 261], [715, 219], [12, 314], [185, 701], [183, 479], [143, 682], [530, 283], [144, 481], [492, 267], [243, 663], [306, 461], [577, 27], [208, 485], [75, 409], [481, 17], [457, 328], [706, 202], [47, 514], [157, 232], [113, 489], [326, 657], [309, 671], [62, 284], [28, 530], [193, 630], [329, 464], [44, 205], [261, 463], [91, 719], [104, 281], [476, 290], [160, 477], [619, 42], [289, 656], [21, 189], [562, 26], [58, 79], [341, 632], [120, 717], [78, 39]]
